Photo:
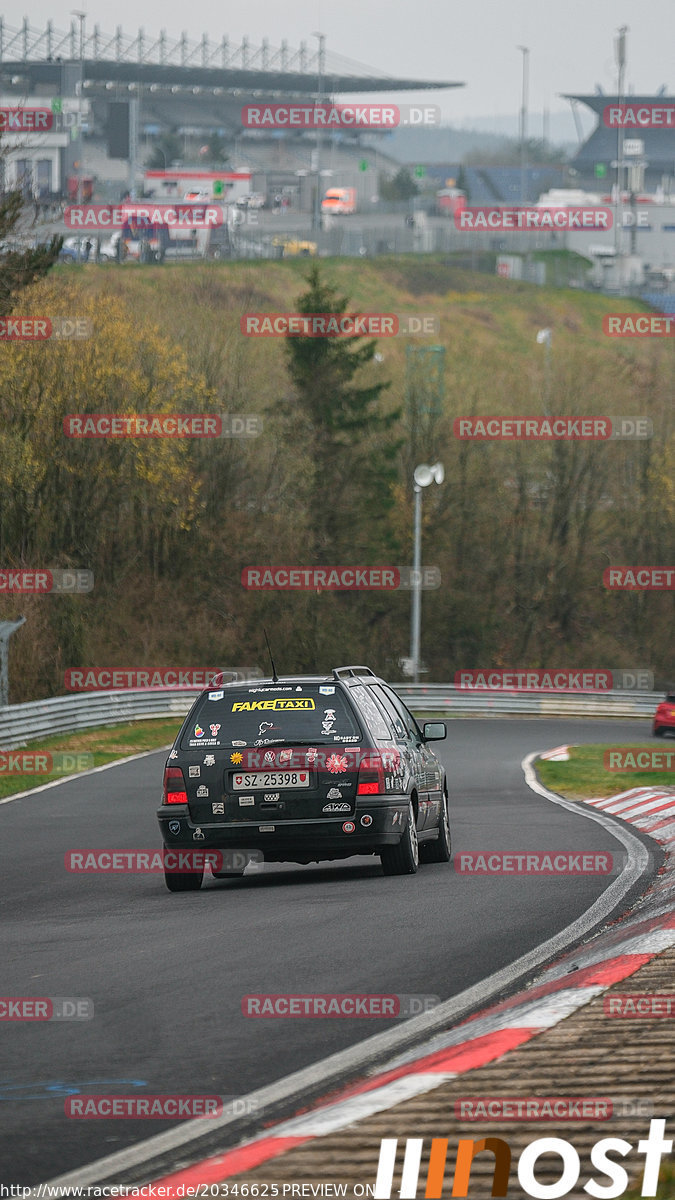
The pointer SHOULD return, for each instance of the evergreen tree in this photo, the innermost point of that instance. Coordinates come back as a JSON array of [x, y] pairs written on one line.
[[346, 435], [20, 268]]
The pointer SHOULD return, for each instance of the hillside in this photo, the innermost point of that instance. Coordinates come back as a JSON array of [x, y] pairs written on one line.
[[521, 531]]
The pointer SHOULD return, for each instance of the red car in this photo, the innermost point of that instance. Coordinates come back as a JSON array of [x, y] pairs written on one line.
[[664, 717]]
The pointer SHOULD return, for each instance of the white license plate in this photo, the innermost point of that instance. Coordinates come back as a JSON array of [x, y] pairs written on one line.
[[270, 779]]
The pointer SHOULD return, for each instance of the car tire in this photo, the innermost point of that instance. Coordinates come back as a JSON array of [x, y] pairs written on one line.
[[659, 731], [440, 850], [404, 858], [183, 881]]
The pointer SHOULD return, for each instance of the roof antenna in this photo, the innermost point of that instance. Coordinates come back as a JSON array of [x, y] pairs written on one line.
[[275, 677]]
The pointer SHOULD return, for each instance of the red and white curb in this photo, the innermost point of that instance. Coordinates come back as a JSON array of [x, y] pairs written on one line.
[[559, 754], [569, 984]]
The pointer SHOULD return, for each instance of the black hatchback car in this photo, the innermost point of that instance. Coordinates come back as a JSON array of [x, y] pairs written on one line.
[[302, 769]]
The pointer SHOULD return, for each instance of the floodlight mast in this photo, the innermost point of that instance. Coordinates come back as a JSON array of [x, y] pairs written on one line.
[[422, 477], [7, 628]]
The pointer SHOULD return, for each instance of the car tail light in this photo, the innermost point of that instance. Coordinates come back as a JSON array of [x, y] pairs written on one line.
[[371, 774], [174, 786]]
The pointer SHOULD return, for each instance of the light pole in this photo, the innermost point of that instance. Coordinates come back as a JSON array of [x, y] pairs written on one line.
[[134, 119], [7, 628], [523, 124], [82, 18], [316, 208], [545, 338], [621, 65], [422, 477]]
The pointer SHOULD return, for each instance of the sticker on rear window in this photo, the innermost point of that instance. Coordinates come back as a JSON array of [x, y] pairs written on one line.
[[279, 702], [216, 695], [326, 691]]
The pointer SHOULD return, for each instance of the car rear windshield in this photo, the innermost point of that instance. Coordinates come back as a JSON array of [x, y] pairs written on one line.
[[259, 716]]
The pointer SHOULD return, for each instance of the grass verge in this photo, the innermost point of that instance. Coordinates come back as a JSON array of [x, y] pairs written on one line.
[[666, 1186], [585, 777], [105, 744]]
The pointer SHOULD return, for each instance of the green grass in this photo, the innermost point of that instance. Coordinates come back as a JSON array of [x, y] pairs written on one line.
[[585, 777], [106, 745], [666, 1188]]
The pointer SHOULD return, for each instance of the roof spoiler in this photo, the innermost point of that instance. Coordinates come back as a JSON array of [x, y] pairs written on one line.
[[355, 670]]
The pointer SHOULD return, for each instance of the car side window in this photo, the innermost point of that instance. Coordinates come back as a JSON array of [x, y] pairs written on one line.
[[391, 710], [411, 725], [374, 715]]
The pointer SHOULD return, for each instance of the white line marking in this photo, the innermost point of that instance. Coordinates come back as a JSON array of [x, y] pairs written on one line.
[[118, 762]]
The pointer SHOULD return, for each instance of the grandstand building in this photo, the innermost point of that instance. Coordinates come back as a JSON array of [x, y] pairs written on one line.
[[649, 153], [130, 91]]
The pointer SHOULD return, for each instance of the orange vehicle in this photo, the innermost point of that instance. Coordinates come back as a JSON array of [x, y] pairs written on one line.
[[340, 200]]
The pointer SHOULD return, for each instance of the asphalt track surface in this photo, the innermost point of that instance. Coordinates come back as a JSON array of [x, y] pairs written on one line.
[[167, 972]]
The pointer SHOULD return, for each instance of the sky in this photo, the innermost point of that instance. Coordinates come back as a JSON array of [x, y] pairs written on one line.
[[571, 42]]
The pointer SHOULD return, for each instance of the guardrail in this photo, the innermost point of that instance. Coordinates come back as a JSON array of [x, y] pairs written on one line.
[[456, 702], [21, 723]]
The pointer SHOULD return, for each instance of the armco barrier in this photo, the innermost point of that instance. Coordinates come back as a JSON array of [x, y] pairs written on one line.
[[22, 723], [457, 702]]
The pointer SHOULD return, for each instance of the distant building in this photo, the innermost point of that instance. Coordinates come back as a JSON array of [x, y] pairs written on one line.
[[649, 153]]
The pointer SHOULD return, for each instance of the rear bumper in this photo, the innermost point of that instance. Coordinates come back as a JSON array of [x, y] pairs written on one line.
[[377, 822]]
